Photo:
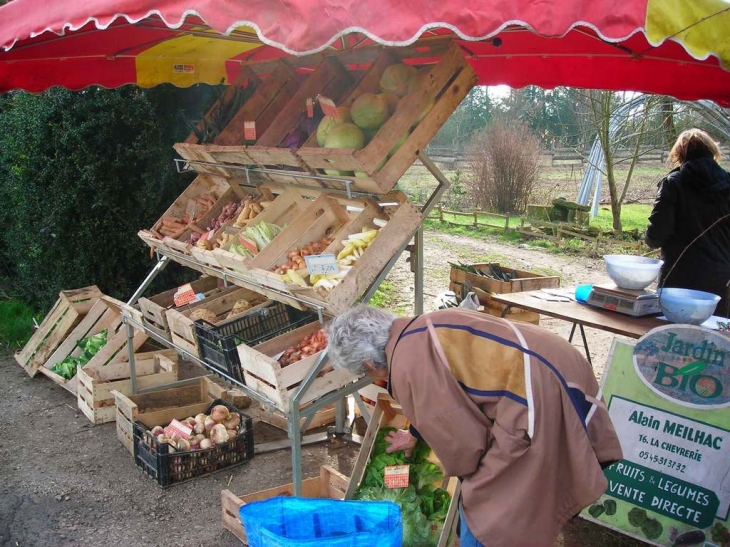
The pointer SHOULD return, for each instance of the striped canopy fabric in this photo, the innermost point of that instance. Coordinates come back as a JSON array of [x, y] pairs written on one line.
[[671, 47]]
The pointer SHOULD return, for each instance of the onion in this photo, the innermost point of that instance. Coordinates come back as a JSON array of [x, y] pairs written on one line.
[[205, 443], [219, 413], [158, 430], [219, 434], [233, 421], [209, 423]]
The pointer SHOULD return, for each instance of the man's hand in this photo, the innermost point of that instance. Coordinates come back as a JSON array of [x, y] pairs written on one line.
[[401, 439]]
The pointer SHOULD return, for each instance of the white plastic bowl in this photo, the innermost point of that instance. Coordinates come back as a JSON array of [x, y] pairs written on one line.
[[687, 306], [632, 272]]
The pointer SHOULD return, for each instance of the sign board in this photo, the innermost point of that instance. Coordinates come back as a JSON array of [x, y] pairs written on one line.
[[669, 399], [321, 264]]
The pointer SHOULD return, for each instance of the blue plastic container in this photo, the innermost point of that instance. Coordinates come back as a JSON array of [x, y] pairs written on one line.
[[582, 292], [304, 522]]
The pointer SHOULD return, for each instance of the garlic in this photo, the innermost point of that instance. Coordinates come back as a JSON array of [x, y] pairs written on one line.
[[219, 434], [205, 443], [219, 413]]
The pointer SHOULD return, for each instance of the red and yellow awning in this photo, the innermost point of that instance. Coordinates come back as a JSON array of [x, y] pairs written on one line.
[[670, 47]]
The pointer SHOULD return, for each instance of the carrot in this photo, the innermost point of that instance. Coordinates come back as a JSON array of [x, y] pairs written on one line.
[[195, 228], [172, 222], [156, 233]]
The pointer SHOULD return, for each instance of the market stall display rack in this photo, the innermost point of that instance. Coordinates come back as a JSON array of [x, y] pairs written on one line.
[[95, 388], [70, 308], [266, 164], [390, 152]]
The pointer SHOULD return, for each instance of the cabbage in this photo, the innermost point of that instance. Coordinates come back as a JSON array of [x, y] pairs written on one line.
[[328, 122], [369, 111], [345, 135], [395, 79]]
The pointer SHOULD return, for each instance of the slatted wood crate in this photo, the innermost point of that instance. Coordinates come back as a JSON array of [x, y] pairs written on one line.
[[152, 311], [161, 407], [329, 216], [65, 314], [484, 287], [96, 387], [330, 484], [388, 154], [263, 373], [182, 328], [104, 314]]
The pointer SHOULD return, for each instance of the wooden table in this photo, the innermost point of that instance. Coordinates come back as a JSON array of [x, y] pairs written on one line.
[[581, 315]]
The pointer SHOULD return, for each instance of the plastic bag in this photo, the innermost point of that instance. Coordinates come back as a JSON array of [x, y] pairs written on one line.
[[470, 302], [303, 522]]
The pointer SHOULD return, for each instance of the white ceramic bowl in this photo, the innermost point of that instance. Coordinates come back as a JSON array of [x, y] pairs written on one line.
[[687, 306], [632, 272]]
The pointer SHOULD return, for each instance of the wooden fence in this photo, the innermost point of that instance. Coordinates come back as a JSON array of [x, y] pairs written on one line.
[[439, 212]]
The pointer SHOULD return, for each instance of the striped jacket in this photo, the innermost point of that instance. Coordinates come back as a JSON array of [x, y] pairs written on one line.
[[511, 408]]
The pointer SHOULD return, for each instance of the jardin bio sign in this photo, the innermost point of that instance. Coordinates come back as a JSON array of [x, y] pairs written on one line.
[[669, 399], [685, 364]]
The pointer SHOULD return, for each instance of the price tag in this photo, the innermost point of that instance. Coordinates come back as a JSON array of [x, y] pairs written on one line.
[[184, 430], [310, 107], [321, 264], [396, 476], [328, 107], [184, 295], [249, 131]]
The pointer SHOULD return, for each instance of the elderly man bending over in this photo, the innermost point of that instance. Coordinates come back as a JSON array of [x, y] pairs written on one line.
[[512, 409]]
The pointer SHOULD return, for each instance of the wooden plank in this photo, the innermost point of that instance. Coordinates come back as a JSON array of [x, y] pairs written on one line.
[[264, 104], [322, 80]]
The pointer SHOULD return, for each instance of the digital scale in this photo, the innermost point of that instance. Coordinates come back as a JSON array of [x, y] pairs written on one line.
[[634, 303]]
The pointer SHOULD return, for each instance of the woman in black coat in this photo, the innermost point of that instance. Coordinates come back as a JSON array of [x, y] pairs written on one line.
[[693, 196]]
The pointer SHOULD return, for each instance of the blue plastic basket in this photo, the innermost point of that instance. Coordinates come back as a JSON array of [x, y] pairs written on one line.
[[303, 522]]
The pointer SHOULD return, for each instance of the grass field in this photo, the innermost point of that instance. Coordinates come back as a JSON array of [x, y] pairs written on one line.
[[15, 323]]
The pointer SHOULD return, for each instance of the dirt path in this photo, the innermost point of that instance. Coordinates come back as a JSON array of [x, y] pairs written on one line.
[[440, 249]]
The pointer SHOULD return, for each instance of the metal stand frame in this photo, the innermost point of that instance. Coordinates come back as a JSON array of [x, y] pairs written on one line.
[[336, 397]]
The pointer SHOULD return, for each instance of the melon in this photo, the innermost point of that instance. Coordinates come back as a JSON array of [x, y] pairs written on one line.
[[419, 80], [328, 122], [369, 111], [391, 99], [395, 79], [345, 135]]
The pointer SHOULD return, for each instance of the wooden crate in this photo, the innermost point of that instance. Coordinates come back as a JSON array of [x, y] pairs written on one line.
[[388, 413], [264, 105], [104, 314], [330, 484], [152, 311], [95, 387], [329, 215], [65, 314], [263, 373], [286, 205], [182, 329], [161, 407]]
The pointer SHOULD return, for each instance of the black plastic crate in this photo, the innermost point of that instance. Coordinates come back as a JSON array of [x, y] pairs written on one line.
[[218, 343], [155, 459]]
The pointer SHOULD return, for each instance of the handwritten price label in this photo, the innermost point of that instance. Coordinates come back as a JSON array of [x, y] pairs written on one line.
[[321, 264], [396, 476], [249, 131]]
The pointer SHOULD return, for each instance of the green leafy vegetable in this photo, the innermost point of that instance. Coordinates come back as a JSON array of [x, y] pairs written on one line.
[[91, 346]]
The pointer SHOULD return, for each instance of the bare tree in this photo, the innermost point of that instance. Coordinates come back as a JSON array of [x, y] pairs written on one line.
[[504, 168]]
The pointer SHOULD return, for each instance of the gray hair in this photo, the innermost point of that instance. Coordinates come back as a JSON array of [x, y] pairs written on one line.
[[359, 335]]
